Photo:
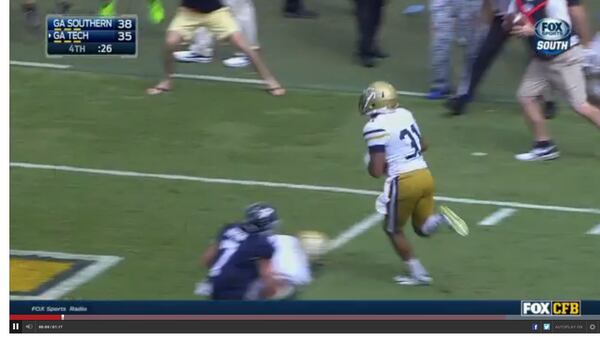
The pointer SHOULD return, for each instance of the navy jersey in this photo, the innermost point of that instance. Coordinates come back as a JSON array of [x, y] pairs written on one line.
[[236, 268]]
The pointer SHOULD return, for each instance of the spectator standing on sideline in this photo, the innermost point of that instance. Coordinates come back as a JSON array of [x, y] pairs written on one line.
[[296, 9], [493, 44], [444, 16], [30, 11], [193, 14], [369, 15], [563, 71], [201, 50]]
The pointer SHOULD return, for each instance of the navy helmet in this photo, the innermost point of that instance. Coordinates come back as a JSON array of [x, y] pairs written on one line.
[[260, 217]]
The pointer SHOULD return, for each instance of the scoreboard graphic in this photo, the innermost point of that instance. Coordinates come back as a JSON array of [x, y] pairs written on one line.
[[82, 35]]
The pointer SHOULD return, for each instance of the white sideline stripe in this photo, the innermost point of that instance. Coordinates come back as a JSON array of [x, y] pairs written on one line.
[[188, 76], [594, 231], [408, 93], [497, 216], [293, 186], [39, 65], [217, 78], [99, 265], [354, 231]]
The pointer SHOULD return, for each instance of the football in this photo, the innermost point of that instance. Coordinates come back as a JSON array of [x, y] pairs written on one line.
[[314, 243]]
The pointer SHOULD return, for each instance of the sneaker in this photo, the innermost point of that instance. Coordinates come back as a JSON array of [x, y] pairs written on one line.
[[457, 104], [437, 94], [413, 280], [63, 7], [32, 18], [237, 61], [539, 154], [378, 53], [454, 221], [366, 60], [189, 56]]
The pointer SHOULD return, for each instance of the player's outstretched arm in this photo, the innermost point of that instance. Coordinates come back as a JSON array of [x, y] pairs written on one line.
[[377, 164], [265, 269], [424, 145], [208, 257], [580, 23]]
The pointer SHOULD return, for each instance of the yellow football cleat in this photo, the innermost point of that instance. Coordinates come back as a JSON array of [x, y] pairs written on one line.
[[455, 222]]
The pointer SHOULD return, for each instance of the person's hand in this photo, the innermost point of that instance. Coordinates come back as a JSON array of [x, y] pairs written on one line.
[[524, 31], [507, 22], [590, 58]]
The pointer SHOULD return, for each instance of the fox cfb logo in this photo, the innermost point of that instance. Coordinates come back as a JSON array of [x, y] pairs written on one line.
[[553, 36], [551, 308]]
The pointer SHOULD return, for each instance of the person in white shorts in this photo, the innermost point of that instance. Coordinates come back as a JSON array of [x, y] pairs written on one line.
[[291, 268], [202, 49]]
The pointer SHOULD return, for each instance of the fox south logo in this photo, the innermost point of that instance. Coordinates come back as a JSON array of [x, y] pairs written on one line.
[[553, 36], [551, 308]]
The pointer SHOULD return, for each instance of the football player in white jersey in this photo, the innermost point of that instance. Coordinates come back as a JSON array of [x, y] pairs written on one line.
[[395, 151]]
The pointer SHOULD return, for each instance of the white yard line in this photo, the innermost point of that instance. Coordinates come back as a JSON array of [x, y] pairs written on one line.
[[594, 231], [39, 65], [354, 231], [188, 76], [218, 78], [497, 216], [290, 186], [99, 264]]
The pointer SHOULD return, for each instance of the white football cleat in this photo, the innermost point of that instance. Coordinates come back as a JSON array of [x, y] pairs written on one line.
[[539, 154], [189, 56], [413, 280], [238, 60]]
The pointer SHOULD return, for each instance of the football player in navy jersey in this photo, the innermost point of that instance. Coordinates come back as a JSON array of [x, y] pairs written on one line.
[[239, 261]]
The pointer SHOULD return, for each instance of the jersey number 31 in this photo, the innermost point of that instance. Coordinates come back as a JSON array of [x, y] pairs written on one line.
[[413, 137]]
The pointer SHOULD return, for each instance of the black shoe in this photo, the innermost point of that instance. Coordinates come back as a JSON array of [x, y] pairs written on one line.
[[63, 7], [32, 18], [367, 61], [549, 110], [457, 104], [301, 14], [378, 53]]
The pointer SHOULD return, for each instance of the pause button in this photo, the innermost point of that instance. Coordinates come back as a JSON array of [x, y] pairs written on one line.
[[15, 326]]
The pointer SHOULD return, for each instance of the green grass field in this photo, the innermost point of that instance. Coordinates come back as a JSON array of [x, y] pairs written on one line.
[[161, 226], [97, 116]]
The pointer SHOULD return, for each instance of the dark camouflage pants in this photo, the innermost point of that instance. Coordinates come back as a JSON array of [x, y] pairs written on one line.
[[453, 20]]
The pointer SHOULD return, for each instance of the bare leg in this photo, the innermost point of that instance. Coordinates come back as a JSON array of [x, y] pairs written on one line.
[[590, 112], [273, 85], [532, 112], [173, 39], [401, 245], [404, 250]]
